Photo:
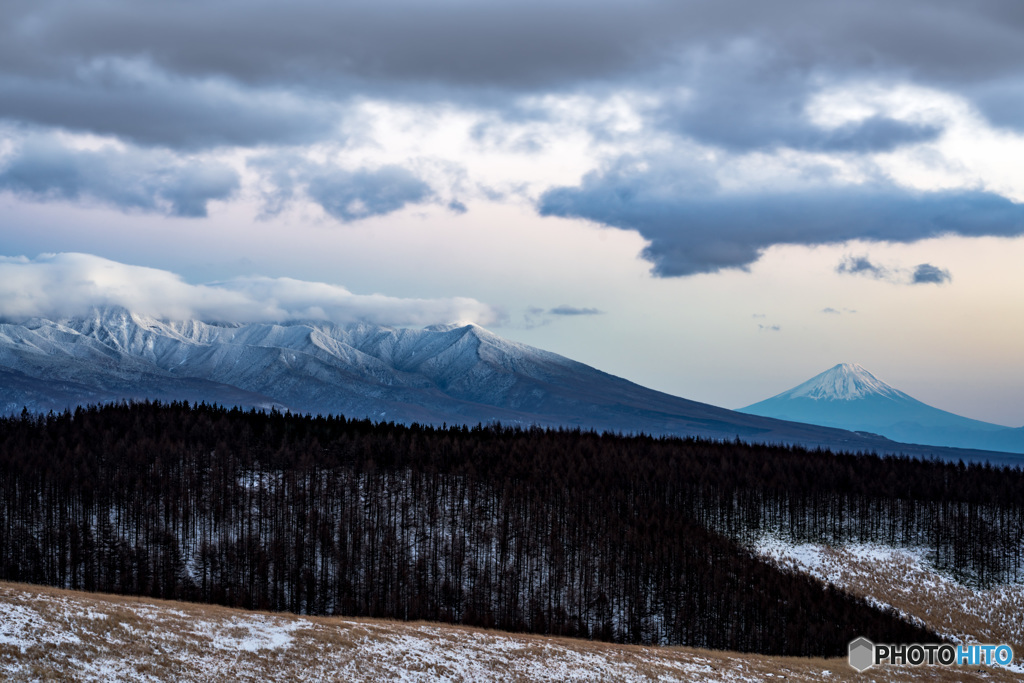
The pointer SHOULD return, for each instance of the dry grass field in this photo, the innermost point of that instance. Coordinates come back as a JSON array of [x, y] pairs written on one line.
[[49, 634]]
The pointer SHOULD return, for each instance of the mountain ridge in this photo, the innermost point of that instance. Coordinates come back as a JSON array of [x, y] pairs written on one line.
[[458, 373]]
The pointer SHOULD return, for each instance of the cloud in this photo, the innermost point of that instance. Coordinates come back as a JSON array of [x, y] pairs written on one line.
[[862, 265], [352, 195], [67, 284], [347, 195], [43, 168], [830, 311], [769, 328], [133, 100], [926, 273], [536, 316], [572, 310], [695, 226], [246, 72], [533, 43], [318, 43], [756, 95]]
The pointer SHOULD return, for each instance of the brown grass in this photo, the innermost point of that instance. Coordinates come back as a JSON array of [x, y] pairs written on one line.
[[121, 639]]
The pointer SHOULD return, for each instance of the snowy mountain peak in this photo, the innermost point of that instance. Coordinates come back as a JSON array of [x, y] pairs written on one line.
[[843, 382], [849, 397]]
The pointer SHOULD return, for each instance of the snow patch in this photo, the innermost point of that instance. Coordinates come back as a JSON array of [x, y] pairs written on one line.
[[252, 634]]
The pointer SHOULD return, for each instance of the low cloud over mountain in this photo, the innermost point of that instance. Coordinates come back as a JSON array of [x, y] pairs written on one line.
[[59, 285]]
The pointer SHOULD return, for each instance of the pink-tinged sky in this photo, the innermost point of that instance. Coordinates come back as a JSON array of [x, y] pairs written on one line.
[[715, 199]]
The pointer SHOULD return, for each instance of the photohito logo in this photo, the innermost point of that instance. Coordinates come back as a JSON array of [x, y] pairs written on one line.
[[864, 654]]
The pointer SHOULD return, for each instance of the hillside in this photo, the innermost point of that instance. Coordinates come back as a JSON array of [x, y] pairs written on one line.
[[51, 634], [904, 579], [636, 540]]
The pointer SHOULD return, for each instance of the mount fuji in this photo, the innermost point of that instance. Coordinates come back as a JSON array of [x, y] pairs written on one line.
[[849, 397], [459, 374]]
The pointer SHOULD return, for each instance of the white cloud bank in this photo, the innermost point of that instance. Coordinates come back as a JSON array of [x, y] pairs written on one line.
[[68, 284]]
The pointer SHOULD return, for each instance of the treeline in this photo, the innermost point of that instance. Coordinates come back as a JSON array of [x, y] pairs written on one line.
[[630, 539]]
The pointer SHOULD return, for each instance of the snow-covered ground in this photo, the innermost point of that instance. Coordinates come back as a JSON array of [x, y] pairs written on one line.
[[903, 579], [49, 634]]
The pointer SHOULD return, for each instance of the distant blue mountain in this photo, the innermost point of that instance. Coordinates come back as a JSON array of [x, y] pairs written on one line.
[[849, 397]]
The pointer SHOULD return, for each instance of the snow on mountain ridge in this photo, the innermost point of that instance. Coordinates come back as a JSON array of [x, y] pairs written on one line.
[[269, 357]]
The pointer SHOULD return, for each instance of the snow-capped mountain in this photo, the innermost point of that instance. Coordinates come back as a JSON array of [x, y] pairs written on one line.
[[844, 382], [849, 397], [445, 373]]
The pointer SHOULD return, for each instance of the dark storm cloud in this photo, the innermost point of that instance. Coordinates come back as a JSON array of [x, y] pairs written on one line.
[[324, 44], [694, 227], [573, 310], [155, 181], [527, 44], [926, 273], [222, 72]]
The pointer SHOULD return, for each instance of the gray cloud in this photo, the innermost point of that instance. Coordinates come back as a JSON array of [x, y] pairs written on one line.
[[755, 96], [256, 71], [694, 227], [323, 44], [57, 285], [926, 273], [148, 180], [830, 311], [347, 195], [136, 102], [352, 195], [769, 328], [573, 310], [527, 44], [862, 265]]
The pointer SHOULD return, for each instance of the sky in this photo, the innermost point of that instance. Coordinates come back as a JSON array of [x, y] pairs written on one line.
[[718, 199]]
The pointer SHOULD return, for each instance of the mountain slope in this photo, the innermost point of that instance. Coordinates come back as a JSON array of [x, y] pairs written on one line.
[[849, 397], [446, 373]]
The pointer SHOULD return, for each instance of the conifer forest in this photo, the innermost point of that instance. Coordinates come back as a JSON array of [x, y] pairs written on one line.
[[621, 538]]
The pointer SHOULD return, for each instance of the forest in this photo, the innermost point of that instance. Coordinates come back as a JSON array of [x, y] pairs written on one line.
[[622, 538]]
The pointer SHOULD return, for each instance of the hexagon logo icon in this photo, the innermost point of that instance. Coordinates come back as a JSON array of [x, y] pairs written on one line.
[[862, 654]]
